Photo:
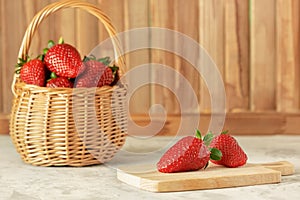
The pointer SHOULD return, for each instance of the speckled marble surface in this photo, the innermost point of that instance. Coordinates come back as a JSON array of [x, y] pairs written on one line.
[[19, 181]]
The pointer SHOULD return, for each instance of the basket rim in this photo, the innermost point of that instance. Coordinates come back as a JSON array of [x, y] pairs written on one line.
[[35, 87]]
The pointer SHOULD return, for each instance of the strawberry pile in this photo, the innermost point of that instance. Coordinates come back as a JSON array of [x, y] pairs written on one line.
[[61, 66], [194, 153]]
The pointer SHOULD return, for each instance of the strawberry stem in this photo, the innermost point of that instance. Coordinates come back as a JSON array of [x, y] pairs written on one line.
[[206, 165]]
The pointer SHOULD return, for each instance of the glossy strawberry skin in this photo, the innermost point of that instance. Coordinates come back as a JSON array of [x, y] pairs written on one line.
[[33, 72], [107, 77], [96, 75], [233, 154], [188, 154], [64, 60], [59, 82]]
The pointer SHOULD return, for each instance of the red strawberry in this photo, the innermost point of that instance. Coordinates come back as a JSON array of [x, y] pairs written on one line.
[[106, 78], [59, 82], [33, 72], [64, 60], [95, 75], [188, 154], [233, 154]]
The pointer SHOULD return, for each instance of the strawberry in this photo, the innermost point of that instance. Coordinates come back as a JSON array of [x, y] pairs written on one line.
[[64, 60], [233, 154], [59, 82], [97, 74], [188, 154], [33, 72], [106, 78]]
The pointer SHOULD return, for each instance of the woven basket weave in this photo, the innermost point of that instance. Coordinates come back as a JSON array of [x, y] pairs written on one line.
[[66, 126]]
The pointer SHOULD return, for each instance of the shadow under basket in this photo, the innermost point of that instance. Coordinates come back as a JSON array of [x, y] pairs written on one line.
[[68, 126]]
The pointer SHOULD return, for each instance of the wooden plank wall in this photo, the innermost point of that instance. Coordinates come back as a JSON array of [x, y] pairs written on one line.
[[237, 55], [263, 55], [287, 54], [255, 44]]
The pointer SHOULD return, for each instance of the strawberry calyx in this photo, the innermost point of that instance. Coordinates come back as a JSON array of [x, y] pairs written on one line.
[[23, 61], [198, 134], [208, 138], [215, 154], [51, 43], [52, 76], [224, 132], [105, 60], [114, 69], [20, 64], [61, 40]]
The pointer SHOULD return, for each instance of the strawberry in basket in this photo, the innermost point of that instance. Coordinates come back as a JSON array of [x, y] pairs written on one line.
[[32, 71], [61, 82], [63, 59], [97, 73]]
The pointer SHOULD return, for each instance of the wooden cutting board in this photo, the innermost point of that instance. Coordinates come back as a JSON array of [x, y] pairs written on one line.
[[148, 178]]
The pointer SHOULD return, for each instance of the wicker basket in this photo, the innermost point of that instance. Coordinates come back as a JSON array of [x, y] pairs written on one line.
[[65, 126]]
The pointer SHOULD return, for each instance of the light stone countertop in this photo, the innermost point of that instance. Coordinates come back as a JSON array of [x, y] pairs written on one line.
[[19, 181]]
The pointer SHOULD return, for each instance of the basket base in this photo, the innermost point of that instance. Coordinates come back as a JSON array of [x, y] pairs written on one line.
[[63, 163]]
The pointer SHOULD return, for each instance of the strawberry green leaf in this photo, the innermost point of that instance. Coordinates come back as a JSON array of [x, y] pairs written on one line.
[[114, 69], [198, 134], [20, 63], [40, 57], [208, 138], [45, 50], [53, 75], [215, 154], [105, 60], [92, 57], [61, 40], [224, 132], [17, 71], [88, 58], [50, 44], [85, 59]]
